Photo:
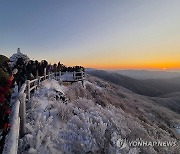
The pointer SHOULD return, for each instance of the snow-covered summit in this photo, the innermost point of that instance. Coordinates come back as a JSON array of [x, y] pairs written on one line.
[[17, 55]]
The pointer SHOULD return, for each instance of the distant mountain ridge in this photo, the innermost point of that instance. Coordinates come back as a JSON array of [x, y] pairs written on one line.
[[144, 74], [150, 87], [170, 101]]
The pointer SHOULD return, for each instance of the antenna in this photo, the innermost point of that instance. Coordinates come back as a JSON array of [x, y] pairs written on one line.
[[18, 50]]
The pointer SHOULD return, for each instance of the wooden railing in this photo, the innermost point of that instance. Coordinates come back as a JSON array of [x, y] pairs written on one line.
[[18, 115], [69, 76], [18, 110]]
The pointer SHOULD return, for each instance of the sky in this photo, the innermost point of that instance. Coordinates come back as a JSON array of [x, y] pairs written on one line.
[[108, 34]]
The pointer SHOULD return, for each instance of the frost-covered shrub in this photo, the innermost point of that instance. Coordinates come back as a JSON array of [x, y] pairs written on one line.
[[39, 137], [80, 125], [91, 128], [84, 134], [65, 112]]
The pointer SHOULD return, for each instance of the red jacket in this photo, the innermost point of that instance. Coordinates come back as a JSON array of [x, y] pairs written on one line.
[[4, 90]]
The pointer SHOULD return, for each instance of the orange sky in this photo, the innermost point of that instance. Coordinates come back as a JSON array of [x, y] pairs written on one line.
[[153, 66], [119, 34]]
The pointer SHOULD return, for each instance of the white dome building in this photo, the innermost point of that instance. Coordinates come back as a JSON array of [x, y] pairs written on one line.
[[17, 55]]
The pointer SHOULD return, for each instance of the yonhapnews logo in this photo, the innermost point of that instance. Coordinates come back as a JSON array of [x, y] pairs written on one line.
[[123, 143]]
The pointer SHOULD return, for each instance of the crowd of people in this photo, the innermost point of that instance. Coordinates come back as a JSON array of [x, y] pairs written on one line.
[[19, 73], [33, 69], [6, 87]]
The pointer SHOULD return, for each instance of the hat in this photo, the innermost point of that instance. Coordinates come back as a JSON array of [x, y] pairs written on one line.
[[3, 59]]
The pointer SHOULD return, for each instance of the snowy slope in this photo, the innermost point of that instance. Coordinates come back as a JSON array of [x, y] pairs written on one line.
[[92, 118]]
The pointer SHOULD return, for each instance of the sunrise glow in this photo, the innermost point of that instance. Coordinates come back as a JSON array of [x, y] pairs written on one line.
[[105, 34]]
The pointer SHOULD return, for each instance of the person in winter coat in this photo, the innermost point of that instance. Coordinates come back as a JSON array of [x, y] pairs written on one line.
[[21, 75], [6, 78], [41, 67], [30, 70]]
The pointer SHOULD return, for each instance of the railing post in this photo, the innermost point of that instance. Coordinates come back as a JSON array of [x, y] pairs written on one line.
[[16, 88], [66, 75], [60, 75], [48, 75], [82, 79], [28, 90], [44, 73], [39, 80], [81, 74], [53, 76], [74, 75], [22, 114]]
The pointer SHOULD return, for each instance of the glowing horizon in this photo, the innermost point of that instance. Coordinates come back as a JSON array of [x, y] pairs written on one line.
[[107, 34]]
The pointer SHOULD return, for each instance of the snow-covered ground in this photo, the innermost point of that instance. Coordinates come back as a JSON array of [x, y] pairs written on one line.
[[67, 76], [178, 129], [75, 119], [78, 126]]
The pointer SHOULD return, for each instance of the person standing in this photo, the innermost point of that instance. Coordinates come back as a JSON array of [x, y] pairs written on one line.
[[6, 80]]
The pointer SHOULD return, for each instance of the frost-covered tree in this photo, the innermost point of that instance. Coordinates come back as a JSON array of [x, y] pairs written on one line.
[[81, 125], [39, 137]]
